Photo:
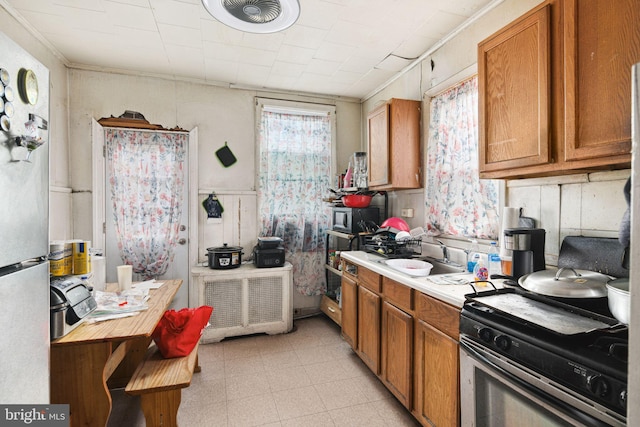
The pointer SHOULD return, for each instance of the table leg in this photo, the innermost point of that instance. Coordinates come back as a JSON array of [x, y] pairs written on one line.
[[77, 378]]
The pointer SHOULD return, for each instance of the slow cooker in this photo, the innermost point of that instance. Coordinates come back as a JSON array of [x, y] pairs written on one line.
[[224, 257]]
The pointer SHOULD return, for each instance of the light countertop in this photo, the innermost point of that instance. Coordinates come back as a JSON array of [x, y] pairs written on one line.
[[431, 285]]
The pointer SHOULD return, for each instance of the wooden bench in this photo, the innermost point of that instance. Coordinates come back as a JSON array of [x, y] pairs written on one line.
[[159, 383]]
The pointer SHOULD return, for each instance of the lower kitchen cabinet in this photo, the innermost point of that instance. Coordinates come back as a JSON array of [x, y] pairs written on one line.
[[369, 305], [397, 343], [408, 339], [350, 310], [436, 377]]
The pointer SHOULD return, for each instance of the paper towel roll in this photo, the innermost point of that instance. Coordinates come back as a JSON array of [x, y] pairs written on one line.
[[99, 267], [510, 219]]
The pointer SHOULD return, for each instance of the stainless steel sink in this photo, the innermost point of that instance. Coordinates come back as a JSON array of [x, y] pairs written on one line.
[[440, 267]]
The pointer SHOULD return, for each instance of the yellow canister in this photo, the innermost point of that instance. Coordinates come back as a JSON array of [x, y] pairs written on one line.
[[57, 258], [81, 258]]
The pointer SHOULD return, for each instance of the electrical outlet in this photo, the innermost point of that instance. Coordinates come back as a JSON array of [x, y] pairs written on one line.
[[407, 213]]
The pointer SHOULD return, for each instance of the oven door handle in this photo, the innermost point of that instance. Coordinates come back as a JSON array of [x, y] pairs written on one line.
[[559, 404]]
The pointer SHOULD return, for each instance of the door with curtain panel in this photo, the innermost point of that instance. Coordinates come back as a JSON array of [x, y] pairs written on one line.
[[155, 232]]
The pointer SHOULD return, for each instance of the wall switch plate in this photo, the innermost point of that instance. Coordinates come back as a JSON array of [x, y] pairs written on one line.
[[407, 213]]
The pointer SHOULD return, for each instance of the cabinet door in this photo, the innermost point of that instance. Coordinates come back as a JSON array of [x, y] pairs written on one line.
[[436, 377], [369, 328], [378, 158], [349, 310], [397, 339], [514, 94], [602, 42], [404, 144]]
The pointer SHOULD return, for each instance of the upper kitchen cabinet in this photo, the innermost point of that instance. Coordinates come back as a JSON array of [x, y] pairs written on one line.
[[555, 90], [394, 145]]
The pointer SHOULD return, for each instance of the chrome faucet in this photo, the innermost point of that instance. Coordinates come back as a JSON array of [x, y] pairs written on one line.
[[445, 251]]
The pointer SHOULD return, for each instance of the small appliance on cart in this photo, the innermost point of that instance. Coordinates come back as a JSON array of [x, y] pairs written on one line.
[[269, 252]]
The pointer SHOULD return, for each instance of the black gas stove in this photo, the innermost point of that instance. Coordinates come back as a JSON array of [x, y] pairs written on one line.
[[580, 350]]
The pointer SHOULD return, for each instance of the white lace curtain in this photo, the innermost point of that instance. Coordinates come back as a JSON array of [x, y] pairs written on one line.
[[146, 176], [459, 203], [294, 175]]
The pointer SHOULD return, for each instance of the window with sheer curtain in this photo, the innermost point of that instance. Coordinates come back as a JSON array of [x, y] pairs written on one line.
[[295, 157], [458, 202]]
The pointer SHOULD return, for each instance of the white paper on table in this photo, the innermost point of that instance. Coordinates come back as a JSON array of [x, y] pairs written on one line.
[[148, 284], [102, 318]]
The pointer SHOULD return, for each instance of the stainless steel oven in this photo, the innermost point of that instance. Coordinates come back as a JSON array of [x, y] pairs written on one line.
[[518, 370]]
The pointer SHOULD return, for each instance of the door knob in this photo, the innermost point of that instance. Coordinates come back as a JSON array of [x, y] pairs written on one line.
[[182, 241]]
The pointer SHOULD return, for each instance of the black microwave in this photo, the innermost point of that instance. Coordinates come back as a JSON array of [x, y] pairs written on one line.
[[346, 219]]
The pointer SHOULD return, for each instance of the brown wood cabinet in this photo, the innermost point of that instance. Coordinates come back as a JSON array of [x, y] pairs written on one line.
[[349, 300], [436, 362], [394, 160], [409, 339], [369, 305], [436, 376], [555, 89], [397, 357]]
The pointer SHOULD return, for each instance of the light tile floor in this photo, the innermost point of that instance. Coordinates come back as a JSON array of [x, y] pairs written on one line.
[[308, 377]]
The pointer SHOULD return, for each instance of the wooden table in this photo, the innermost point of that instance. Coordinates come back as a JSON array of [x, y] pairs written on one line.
[[94, 357]]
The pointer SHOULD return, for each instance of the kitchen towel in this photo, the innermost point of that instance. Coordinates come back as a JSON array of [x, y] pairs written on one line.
[[510, 219]]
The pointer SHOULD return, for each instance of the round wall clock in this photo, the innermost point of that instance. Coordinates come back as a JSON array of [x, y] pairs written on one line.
[[28, 86]]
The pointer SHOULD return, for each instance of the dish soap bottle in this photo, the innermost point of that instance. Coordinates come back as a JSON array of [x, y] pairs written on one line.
[[473, 256], [494, 260], [480, 272]]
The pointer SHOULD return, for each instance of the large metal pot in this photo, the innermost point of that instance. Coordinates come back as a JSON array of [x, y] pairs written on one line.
[[618, 292], [224, 257], [563, 284]]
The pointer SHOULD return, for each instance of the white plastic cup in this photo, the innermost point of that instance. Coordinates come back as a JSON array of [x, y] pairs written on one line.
[[125, 275]]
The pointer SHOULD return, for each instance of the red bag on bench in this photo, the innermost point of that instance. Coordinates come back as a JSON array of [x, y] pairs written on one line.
[[178, 332]]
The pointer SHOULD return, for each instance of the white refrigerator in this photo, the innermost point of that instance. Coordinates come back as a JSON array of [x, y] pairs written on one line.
[[24, 227]]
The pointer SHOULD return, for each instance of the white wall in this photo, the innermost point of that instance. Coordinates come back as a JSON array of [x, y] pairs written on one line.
[[219, 113]]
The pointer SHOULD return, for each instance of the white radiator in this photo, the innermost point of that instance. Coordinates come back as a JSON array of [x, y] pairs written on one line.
[[245, 300]]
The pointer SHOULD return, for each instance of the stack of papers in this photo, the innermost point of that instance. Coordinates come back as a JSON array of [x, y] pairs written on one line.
[[114, 305]]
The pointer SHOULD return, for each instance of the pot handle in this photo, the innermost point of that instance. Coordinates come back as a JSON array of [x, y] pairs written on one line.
[[559, 273]]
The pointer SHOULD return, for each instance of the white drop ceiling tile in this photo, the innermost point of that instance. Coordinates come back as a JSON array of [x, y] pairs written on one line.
[[440, 25], [309, 37], [139, 38], [253, 75], [352, 34], [462, 7], [279, 81], [256, 57], [38, 6], [270, 42], [320, 14], [81, 4], [295, 54], [334, 52], [414, 46], [186, 61], [220, 71], [220, 51], [140, 3], [177, 13], [216, 32], [359, 64], [346, 77], [322, 67], [286, 69], [45, 23], [183, 36], [393, 63], [125, 15]]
